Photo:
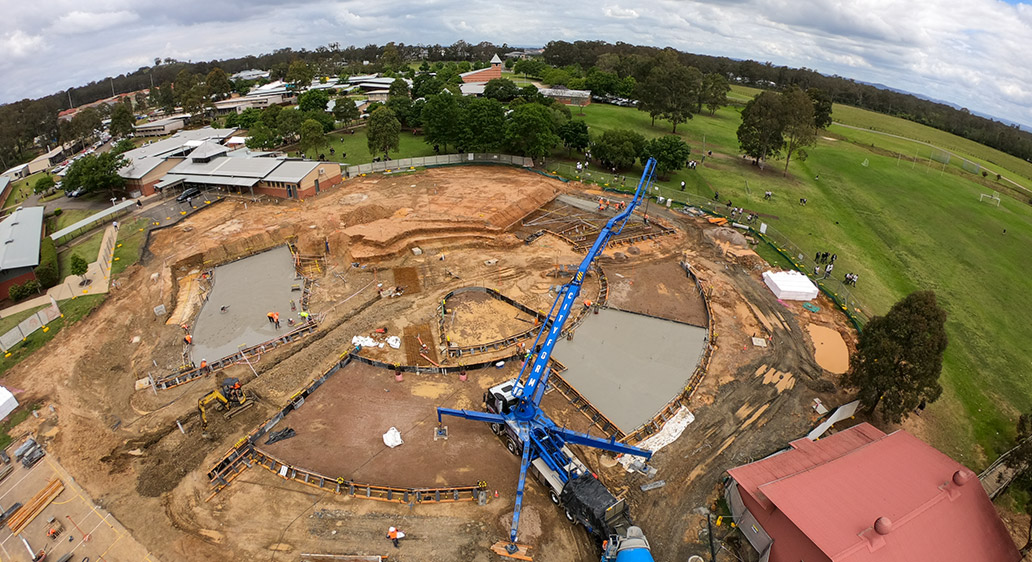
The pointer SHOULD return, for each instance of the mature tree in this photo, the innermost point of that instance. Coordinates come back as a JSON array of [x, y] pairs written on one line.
[[899, 357], [426, 85], [163, 97], [671, 153], [574, 135], [79, 267], [122, 120], [501, 89], [140, 100], [1020, 461], [681, 97], [300, 75], [529, 67], [619, 148], [442, 120], [96, 172], [602, 83], [821, 107], [270, 116], [761, 133], [261, 137], [312, 136], [531, 130], [43, 184], [288, 123], [651, 92], [245, 119], [715, 89], [325, 119], [399, 88], [530, 94], [279, 71], [391, 58], [345, 110], [182, 85], [401, 105], [124, 145], [483, 125], [218, 83], [313, 100], [799, 124], [383, 131]]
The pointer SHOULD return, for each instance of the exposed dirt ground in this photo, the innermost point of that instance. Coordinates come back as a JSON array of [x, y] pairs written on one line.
[[123, 446]]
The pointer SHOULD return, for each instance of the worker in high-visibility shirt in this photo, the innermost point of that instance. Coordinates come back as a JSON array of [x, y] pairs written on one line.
[[188, 339], [395, 534]]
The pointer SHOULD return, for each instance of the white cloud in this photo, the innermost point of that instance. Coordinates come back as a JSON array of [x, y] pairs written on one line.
[[971, 52], [18, 44], [91, 22], [619, 13]]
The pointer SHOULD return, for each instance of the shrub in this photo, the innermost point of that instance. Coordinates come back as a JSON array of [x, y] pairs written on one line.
[[16, 292], [57, 212], [31, 287], [47, 271]]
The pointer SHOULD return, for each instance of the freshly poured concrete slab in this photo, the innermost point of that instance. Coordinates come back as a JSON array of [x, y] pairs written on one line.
[[250, 289], [630, 366]]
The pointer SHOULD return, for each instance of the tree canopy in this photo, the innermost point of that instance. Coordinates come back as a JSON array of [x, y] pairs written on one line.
[[43, 184], [442, 120], [218, 83], [619, 148], [501, 89], [899, 357], [797, 111], [383, 131], [95, 172], [79, 266], [671, 153], [312, 136], [1020, 461], [300, 75], [122, 120], [761, 133], [821, 107], [345, 110], [574, 135], [313, 100], [531, 130]]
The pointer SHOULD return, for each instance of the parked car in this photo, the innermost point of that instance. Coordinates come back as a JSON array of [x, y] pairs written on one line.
[[77, 192], [5, 457], [188, 193], [29, 443]]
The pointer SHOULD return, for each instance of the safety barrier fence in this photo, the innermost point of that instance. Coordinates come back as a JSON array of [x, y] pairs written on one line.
[[342, 486], [459, 351], [406, 164], [39, 320]]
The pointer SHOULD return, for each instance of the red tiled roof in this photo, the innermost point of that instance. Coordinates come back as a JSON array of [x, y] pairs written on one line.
[[833, 490]]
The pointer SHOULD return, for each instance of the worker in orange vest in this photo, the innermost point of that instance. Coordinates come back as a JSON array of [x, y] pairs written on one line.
[[270, 316], [395, 534], [275, 319], [188, 339], [204, 365]]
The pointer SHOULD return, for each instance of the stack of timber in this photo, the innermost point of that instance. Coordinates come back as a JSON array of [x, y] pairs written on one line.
[[35, 506]]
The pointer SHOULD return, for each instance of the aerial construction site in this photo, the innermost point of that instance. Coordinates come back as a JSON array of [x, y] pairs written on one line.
[[290, 380]]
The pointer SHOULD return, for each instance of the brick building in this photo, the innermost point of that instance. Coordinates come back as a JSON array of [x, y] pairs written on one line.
[[484, 74]]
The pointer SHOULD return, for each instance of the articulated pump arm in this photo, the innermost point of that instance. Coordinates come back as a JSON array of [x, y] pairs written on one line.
[[533, 387]]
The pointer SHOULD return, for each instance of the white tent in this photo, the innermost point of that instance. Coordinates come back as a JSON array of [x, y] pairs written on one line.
[[790, 285], [7, 402]]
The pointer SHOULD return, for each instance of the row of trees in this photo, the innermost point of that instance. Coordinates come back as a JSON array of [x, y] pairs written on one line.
[[634, 60]]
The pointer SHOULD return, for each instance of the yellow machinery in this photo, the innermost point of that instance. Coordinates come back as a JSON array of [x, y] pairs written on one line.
[[230, 396]]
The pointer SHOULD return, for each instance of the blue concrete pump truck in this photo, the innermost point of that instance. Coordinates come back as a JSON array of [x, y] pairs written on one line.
[[512, 409]]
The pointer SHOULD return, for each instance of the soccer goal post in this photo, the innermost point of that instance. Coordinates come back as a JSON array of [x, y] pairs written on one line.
[[991, 199]]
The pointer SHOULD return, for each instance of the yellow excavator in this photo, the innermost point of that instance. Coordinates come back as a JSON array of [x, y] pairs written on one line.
[[230, 396]]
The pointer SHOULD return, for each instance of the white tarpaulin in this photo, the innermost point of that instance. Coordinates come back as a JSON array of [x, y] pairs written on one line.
[[392, 438], [790, 285], [365, 341], [7, 402]]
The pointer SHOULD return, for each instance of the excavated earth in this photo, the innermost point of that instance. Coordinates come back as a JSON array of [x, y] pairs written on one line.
[[123, 446]]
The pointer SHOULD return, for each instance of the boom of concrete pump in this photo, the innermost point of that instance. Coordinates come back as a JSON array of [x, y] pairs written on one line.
[[539, 437]]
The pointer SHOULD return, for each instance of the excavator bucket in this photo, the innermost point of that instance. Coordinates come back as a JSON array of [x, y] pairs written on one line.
[[522, 551]]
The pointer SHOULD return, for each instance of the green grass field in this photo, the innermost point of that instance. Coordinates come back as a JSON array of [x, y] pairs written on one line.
[[127, 250], [21, 190], [901, 227], [87, 248]]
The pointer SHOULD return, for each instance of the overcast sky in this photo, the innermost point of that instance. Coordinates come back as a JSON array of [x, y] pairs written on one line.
[[976, 53]]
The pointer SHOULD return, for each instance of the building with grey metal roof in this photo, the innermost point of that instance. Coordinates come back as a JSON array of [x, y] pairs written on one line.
[[20, 235]]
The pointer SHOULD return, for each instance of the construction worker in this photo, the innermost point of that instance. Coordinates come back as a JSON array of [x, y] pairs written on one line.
[[188, 339], [270, 316], [394, 534], [204, 365], [275, 319], [587, 304]]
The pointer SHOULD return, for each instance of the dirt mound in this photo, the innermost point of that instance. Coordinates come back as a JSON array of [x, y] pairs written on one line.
[[729, 235], [366, 214]]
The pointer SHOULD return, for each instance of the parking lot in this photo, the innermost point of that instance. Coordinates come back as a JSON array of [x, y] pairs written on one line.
[[105, 538]]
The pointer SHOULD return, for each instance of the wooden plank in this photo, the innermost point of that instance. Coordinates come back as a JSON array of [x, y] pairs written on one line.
[[35, 506], [522, 551]]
